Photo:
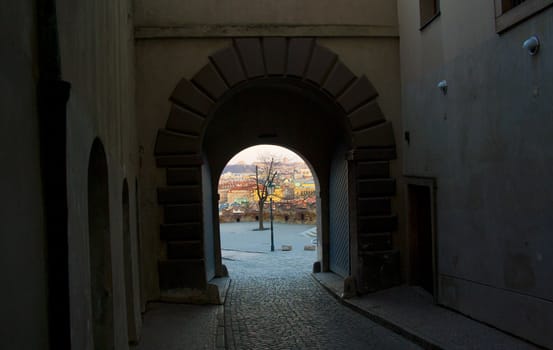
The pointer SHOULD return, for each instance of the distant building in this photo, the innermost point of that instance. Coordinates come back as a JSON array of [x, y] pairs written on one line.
[[240, 195], [303, 190], [223, 195]]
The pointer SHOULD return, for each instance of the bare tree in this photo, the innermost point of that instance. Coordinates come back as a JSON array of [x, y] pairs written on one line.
[[263, 178]]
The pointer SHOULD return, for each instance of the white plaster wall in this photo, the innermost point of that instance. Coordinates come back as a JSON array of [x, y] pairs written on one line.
[[23, 314], [488, 143], [97, 58]]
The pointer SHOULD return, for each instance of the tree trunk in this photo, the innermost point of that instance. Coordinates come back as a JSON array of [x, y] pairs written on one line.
[[261, 203]]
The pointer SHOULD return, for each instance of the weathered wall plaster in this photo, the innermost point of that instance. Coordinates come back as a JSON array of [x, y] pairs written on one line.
[[488, 144]]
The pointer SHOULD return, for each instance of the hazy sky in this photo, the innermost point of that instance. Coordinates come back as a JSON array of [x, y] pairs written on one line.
[[250, 155]]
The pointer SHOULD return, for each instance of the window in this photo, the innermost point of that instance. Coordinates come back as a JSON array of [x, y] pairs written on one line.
[[510, 12], [429, 9], [507, 5]]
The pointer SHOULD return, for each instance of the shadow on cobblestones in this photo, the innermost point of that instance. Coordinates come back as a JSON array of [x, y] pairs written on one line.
[[274, 303]]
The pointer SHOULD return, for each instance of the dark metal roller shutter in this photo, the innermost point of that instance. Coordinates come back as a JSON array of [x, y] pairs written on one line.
[[339, 217]]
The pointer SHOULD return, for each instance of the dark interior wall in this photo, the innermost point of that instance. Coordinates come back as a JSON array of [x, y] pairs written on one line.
[[139, 249], [22, 224], [129, 259], [273, 112]]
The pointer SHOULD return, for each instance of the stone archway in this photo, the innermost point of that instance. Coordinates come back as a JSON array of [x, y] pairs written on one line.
[[291, 67]]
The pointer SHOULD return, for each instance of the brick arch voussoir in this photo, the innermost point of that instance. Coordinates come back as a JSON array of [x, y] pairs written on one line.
[[289, 58]]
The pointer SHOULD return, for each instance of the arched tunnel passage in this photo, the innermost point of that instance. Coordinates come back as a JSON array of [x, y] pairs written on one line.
[[294, 117], [268, 202]]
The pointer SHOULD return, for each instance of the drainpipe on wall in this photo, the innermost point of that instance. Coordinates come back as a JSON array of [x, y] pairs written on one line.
[[52, 97]]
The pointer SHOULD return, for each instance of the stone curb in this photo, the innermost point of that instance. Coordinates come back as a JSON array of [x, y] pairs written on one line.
[[228, 339], [402, 331]]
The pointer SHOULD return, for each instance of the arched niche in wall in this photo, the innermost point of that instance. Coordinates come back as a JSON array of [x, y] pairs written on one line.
[[100, 248]]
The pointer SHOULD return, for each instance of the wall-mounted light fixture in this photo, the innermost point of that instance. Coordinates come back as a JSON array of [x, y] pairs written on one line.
[[442, 85], [532, 45]]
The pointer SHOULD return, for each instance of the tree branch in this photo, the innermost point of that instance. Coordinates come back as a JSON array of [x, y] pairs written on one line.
[[257, 182]]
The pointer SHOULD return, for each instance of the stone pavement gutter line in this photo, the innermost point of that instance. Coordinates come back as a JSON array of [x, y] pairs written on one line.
[[223, 284], [221, 341], [411, 313]]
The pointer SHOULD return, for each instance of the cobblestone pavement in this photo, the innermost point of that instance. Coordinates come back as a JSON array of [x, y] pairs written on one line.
[[274, 303], [178, 326]]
